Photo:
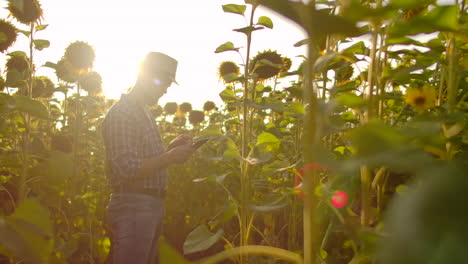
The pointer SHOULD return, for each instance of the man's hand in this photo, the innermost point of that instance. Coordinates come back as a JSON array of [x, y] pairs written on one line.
[[180, 140], [180, 154]]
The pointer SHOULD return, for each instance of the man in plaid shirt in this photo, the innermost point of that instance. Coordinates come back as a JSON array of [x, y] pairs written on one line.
[[137, 161]]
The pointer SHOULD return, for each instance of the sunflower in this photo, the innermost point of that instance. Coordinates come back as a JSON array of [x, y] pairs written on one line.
[[344, 73], [413, 12], [10, 34], [91, 82], [196, 117], [266, 64], [170, 108], [49, 87], [156, 110], [18, 63], [65, 71], [179, 120], [421, 99], [25, 11], [287, 63], [226, 69], [80, 55], [208, 106], [185, 107]]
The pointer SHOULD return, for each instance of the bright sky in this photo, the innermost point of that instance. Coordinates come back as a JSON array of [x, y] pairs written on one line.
[[122, 32]]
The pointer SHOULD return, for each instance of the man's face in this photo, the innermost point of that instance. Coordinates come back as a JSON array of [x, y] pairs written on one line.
[[157, 87]]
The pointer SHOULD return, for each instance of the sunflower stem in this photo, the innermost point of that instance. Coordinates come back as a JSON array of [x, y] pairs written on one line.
[[245, 183], [27, 118]]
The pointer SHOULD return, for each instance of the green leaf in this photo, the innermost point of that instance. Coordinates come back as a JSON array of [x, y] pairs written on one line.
[[318, 24], [233, 8], [59, 166], [228, 46], [260, 154], [17, 53], [247, 30], [350, 100], [441, 18], [28, 232], [25, 32], [41, 27], [231, 152], [210, 132], [266, 138], [50, 65], [265, 21], [358, 48], [228, 96], [13, 77], [302, 42], [229, 211], [322, 62], [7, 103], [169, 255], [201, 239], [31, 106], [41, 44]]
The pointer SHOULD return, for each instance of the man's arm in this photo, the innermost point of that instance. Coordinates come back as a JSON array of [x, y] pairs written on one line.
[[176, 155]]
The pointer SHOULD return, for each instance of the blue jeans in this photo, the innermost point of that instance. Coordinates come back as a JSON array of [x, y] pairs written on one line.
[[135, 223]]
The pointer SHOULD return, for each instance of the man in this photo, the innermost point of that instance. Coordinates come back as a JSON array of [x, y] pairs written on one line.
[[137, 162]]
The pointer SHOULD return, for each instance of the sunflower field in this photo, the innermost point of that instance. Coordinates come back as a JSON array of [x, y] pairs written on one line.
[[358, 155]]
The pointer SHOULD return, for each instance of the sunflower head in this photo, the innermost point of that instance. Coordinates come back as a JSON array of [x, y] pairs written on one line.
[[228, 68], [49, 87], [208, 106], [91, 82], [287, 63], [18, 63], [185, 107], [170, 108], [80, 55], [344, 73], [413, 12], [179, 120], [196, 117], [8, 33], [25, 11], [421, 99], [156, 110], [66, 72], [266, 64], [42, 87]]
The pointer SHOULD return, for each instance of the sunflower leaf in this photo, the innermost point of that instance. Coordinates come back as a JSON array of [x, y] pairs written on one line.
[[265, 21], [25, 32], [41, 44], [235, 9], [247, 30], [41, 27], [226, 47]]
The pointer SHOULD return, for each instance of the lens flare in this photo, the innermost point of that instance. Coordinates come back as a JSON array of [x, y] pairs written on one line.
[[339, 199]]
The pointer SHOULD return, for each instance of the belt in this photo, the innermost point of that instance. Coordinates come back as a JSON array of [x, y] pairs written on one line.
[[158, 193]]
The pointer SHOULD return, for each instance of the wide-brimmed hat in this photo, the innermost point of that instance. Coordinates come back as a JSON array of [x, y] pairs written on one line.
[[157, 62]]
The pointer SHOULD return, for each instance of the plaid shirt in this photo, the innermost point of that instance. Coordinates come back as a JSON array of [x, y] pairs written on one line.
[[130, 135]]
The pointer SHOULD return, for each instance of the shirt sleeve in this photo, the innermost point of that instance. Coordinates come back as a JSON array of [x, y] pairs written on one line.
[[121, 140]]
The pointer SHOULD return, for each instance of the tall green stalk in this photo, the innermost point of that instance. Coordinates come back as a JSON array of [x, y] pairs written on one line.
[[27, 124], [244, 212], [366, 173]]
